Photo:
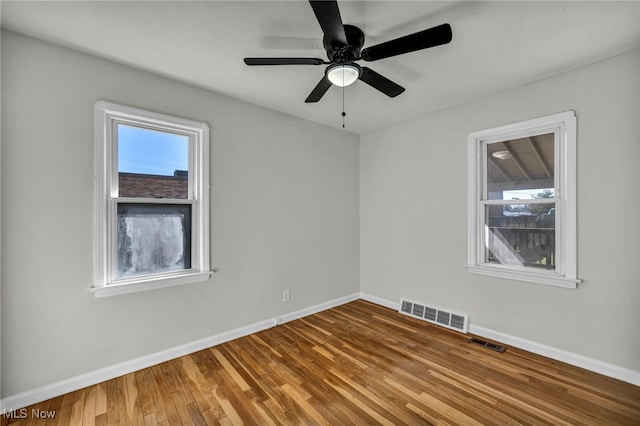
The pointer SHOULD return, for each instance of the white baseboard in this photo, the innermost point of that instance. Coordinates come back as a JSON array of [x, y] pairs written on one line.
[[581, 361], [380, 301], [597, 366], [318, 308], [24, 399]]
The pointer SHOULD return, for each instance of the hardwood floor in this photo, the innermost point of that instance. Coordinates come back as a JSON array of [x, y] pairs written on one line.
[[358, 364]]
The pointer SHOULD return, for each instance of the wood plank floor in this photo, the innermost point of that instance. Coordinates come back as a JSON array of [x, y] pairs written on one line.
[[356, 364]]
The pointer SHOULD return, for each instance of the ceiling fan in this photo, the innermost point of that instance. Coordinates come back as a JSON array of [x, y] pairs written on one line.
[[344, 43]]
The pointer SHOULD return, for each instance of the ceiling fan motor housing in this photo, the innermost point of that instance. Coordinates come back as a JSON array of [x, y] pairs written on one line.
[[337, 52]]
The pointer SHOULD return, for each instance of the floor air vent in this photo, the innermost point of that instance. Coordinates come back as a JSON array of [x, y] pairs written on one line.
[[492, 346], [454, 321]]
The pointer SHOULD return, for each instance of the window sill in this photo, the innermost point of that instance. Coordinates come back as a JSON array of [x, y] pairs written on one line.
[[528, 276], [149, 284]]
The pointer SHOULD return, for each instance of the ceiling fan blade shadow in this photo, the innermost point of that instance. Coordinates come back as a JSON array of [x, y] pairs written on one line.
[[290, 43], [283, 61], [431, 37], [318, 92], [380, 82], [328, 16], [454, 11]]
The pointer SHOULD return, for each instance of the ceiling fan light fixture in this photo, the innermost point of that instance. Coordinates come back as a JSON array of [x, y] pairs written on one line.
[[343, 74]]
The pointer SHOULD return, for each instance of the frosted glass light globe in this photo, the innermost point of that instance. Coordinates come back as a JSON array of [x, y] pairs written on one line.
[[343, 74]]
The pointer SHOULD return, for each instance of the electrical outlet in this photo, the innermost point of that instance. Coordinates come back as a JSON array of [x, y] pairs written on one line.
[[286, 296]]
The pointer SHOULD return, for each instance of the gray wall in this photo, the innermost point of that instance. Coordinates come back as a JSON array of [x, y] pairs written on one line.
[[284, 216], [413, 188]]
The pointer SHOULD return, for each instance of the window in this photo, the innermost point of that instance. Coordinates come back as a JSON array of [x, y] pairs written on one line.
[[152, 204], [522, 201]]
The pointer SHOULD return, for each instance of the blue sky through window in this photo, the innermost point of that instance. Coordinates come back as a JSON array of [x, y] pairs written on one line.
[[151, 152]]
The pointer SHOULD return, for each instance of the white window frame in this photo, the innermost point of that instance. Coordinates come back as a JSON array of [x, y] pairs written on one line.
[[106, 118], [563, 125]]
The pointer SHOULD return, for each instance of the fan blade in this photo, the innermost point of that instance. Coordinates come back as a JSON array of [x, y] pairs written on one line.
[[435, 36], [380, 82], [283, 61], [318, 91], [328, 16]]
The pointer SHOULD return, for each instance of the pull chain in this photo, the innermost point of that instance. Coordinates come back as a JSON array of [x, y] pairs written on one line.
[[343, 113]]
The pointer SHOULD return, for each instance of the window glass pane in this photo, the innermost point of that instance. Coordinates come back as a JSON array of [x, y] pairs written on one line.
[[152, 164], [521, 169], [153, 239], [520, 234]]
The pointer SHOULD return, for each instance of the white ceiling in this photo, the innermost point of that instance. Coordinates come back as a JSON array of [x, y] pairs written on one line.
[[496, 46]]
